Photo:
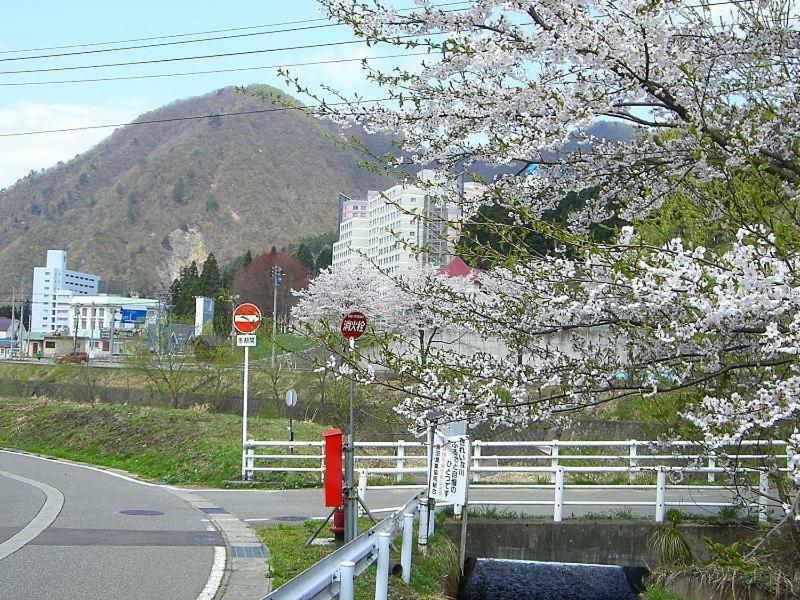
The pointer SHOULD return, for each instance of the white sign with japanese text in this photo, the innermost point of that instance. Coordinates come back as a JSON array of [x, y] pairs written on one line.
[[246, 340], [449, 468]]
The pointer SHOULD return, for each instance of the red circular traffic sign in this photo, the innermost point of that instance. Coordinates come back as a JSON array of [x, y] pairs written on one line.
[[353, 325], [246, 318]]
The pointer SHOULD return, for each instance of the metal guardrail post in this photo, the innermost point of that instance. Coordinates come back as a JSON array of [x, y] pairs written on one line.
[[322, 464], [362, 489], [476, 460], [422, 536], [558, 502], [382, 572], [553, 459], [763, 493], [346, 575], [633, 463], [712, 464], [405, 550], [661, 490], [401, 463]]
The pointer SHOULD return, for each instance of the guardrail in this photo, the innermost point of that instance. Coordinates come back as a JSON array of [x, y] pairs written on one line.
[[557, 460], [334, 575]]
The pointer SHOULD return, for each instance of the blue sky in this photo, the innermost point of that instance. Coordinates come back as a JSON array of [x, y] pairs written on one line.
[[57, 23]]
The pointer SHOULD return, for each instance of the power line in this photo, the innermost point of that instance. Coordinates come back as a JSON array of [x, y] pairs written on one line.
[[207, 32], [189, 118], [161, 44], [182, 58], [232, 70]]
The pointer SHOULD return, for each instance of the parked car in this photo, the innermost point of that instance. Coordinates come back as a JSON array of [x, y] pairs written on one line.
[[74, 357]]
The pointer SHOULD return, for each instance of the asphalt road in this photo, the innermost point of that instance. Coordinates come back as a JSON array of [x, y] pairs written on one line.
[[64, 535], [265, 507]]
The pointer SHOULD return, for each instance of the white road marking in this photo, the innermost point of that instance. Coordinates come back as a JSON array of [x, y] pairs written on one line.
[[215, 578], [220, 553], [54, 501]]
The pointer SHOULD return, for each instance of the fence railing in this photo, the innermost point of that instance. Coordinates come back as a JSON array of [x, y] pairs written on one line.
[[560, 462], [334, 575]]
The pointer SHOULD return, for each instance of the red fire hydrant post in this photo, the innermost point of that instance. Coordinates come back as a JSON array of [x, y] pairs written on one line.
[[333, 478]]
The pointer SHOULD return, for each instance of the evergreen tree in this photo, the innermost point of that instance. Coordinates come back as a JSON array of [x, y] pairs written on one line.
[[324, 259], [210, 279], [179, 192], [183, 291], [248, 258], [304, 256]]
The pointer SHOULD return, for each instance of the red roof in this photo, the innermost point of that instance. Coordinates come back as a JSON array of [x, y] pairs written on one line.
[[458, 268]]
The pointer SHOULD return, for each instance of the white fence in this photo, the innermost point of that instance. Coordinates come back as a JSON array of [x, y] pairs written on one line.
[[560, 462], [333, 575]]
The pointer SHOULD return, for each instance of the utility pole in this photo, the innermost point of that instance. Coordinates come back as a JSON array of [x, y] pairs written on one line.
[[75, 331], [234, 298], [21, 325], [13, 315], [276, 281], [113, 328]]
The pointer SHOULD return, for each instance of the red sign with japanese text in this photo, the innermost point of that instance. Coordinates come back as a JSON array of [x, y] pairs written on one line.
[[353, 325]]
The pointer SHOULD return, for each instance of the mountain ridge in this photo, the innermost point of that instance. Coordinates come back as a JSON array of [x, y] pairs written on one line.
[[150, 198]]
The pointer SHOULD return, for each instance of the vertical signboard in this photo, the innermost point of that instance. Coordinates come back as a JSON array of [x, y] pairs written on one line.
[[449, 468]]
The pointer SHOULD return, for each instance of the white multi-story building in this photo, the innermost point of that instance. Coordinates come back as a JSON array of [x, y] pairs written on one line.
[[353, 240], [401, 226], [53, 288]]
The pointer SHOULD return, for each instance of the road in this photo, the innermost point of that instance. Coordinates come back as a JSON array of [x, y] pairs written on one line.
[[68, 532], [265, 507]]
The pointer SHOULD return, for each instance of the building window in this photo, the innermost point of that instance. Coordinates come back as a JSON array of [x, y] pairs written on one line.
[[49, 344]]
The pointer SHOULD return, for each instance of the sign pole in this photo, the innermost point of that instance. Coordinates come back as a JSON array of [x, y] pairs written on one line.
[[246, 319], [465, 510], [352, 327], [351, 509], [244, 413]]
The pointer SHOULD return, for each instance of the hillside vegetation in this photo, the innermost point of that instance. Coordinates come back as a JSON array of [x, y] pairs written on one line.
[[151, 198], [174, 446]]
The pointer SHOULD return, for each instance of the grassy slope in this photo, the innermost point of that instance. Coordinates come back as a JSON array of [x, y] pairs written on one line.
[[288, 558], [175, 446]]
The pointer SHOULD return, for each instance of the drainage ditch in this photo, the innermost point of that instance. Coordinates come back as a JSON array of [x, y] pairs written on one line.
[[502, 579]]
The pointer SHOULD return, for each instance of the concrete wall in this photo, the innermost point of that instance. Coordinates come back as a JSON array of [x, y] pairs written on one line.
[[607, 542]]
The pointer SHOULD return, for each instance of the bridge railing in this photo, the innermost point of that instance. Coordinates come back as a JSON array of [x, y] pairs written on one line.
[[562, 463], [334, 575]]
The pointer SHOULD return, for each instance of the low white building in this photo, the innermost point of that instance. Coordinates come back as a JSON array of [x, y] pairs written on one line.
[[91, 317], [54, 286]]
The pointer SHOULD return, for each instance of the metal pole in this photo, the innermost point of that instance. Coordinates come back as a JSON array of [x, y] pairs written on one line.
[[351, 506], [276, 281], [13, 317], [661, 488], [113, 332], [245, 473], [346, 574], [558, 502], [19, 329], [465, 512], [27, 329], [233, 330], [382, 573], [405, 550], [422, 536]]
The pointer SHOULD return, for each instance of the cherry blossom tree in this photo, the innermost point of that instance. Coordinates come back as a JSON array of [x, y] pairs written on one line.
[[711, 90]]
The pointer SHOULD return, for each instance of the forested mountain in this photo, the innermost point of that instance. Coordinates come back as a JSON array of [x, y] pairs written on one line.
[[151, 198]]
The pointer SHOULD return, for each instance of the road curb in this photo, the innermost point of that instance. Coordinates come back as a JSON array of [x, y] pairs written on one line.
[[246, 576]]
